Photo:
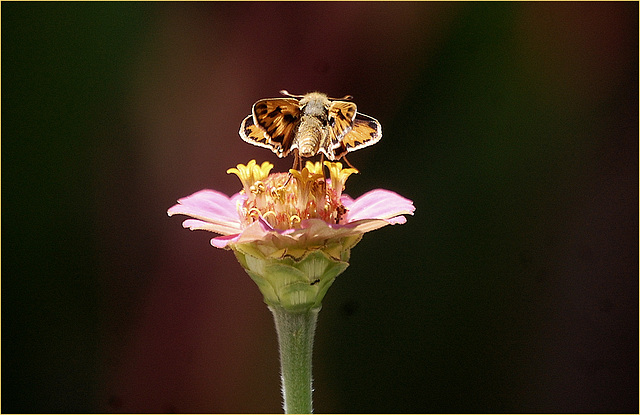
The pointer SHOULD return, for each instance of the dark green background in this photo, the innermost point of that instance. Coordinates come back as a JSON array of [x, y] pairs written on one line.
[[512, 126]]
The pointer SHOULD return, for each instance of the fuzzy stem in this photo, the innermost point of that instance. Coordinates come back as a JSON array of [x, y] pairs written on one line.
[[295, 338]]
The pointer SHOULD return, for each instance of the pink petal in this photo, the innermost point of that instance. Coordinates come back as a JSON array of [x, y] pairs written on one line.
[[346, 200], [378, 204], [398, 220], [212, 207], [257, 231], [216, 212], [223, 241], [368, 225], [199, 225]]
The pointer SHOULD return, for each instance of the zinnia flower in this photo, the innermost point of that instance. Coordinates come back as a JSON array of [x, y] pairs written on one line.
[[292, 232]]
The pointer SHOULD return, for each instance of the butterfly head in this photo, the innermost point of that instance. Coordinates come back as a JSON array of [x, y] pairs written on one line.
[[315, 104]]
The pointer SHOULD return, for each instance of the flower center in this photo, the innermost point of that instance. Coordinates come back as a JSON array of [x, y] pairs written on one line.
[[286, 199]]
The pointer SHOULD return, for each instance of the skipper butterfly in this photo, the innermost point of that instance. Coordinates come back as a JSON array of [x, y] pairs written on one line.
[[309, 124]]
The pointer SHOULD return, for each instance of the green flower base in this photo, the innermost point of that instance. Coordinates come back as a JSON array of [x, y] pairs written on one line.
[[297, 286]]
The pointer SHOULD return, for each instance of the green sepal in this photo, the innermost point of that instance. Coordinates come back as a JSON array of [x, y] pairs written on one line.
[[294, 285]]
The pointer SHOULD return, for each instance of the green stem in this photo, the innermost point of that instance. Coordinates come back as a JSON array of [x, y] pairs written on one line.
[[295, 337]]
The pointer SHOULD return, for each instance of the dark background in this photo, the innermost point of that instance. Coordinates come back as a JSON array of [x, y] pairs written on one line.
[[512, 126]]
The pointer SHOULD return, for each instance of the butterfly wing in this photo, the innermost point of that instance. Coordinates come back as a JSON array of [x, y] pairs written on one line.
[[365, 131], [278, 118], [340, 116], [254, 134]]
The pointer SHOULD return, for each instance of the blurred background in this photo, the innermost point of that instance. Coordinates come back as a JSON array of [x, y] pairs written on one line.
[[512, 126]]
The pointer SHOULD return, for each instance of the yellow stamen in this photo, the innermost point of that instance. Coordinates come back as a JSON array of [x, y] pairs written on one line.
[[251, 173], [294, 220], [277, 193], [257, 187], [315, 168], [286, 199], [338, 175], [306, 176], [269, 213], [254, 212]]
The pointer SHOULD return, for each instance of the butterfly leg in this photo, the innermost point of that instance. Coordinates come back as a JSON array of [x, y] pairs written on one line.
[[323, 166], [288, 178], [297, 160], [347, 161]]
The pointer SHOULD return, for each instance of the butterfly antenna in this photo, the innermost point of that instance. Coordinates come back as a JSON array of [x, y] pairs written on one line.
[[286, 93], [344, 98]]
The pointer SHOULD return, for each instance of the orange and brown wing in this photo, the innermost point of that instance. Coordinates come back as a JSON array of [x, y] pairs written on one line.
[[254, 134], [341, 115], [279, 118], [366, 131]]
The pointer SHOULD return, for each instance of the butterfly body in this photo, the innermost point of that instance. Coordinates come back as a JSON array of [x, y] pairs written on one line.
[[309, 124], [311, 135]]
